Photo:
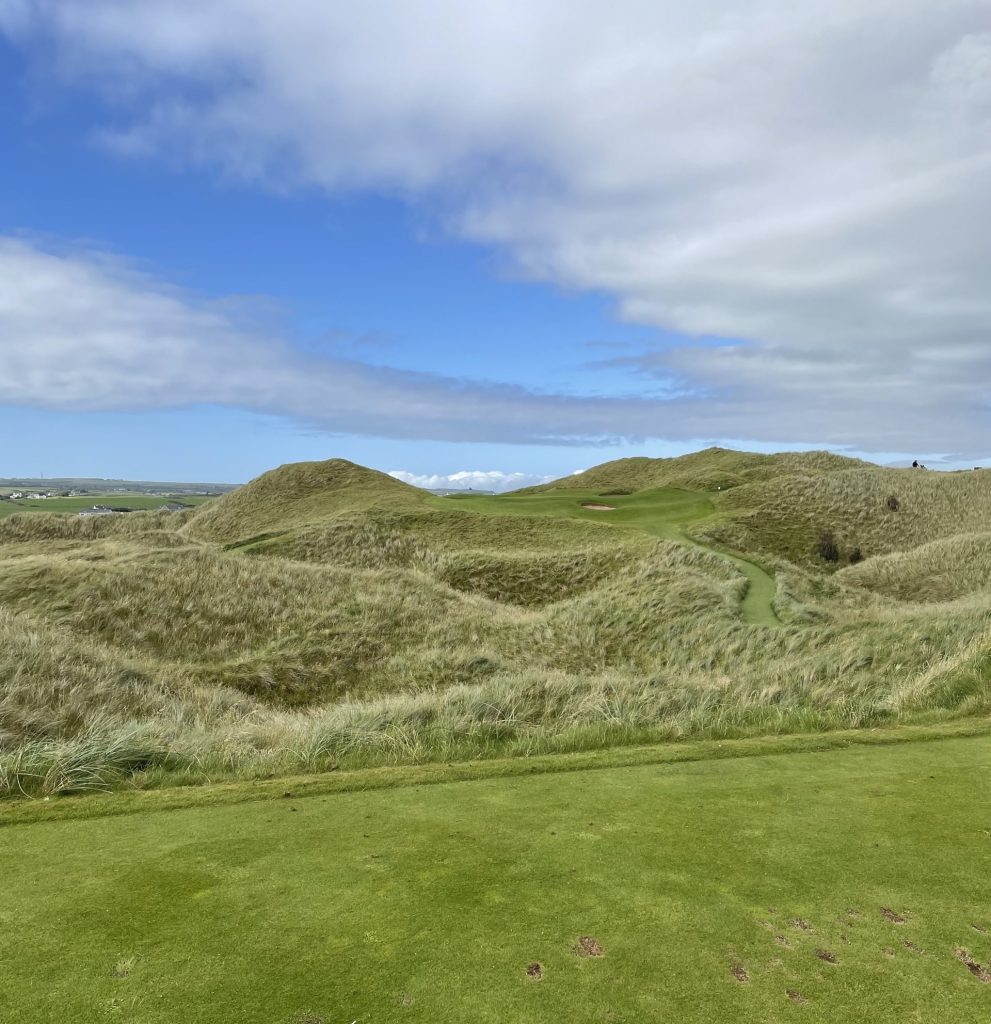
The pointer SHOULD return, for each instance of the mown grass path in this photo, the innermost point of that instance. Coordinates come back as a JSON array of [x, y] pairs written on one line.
[[776, 888], [664, 512]]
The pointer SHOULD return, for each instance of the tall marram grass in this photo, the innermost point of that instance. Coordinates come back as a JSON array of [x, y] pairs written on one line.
[[785, 516], [134, 654]]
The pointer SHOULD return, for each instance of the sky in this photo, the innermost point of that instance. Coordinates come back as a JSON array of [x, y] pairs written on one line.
[[490, 244]]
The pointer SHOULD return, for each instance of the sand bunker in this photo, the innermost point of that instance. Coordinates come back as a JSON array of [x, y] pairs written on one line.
[[598, 508]]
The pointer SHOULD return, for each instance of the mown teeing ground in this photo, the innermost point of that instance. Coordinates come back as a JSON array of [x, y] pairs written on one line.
[[847, 885]]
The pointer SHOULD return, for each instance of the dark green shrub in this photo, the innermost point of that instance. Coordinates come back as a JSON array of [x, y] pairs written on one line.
[[827, 547]]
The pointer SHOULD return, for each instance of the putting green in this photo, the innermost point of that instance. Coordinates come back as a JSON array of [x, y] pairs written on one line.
[[664, 512], [845, 886]]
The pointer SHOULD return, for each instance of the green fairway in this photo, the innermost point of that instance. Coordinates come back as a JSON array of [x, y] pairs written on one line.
[[841, 886], [664, 512]]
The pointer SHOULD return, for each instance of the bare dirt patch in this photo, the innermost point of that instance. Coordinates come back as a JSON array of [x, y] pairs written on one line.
[[587, 946], [891, 915], [594, 506], [973, 966], [535, 971], [740, 973]]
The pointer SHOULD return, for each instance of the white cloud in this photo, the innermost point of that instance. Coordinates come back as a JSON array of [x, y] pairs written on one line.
[[82, 330], [811, 179], [471, 479]]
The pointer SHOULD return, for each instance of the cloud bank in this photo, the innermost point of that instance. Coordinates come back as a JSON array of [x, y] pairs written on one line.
[[84, 330], [471, 479], [800, 190]]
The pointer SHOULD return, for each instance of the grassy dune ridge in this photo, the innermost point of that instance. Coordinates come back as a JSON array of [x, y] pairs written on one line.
[[785, 516], [330, 616], [713, 469]]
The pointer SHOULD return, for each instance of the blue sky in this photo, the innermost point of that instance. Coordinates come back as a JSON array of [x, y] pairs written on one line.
[[224, 248]]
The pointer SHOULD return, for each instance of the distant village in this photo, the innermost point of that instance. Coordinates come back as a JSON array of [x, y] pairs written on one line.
[[108, 510], [94, 510]]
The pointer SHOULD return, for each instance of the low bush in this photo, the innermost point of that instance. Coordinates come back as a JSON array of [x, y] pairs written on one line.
[[827, 547]]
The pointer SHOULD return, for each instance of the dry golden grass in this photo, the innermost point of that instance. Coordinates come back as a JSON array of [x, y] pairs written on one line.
[[785, 516], [297, 494], [714, 469], [943, 570], [134, 651]]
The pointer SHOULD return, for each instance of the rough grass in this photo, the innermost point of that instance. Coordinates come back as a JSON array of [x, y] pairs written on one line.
[[943, 570], [299, 494], [787, 515], [846, 887], [714, 469], [441, 630]]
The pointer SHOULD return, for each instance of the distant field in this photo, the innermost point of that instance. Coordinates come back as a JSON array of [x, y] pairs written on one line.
[[843, 887], [75, 505]]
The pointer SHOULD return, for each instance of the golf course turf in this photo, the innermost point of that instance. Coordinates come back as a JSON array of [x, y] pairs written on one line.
[[843, 885], [664, 512]]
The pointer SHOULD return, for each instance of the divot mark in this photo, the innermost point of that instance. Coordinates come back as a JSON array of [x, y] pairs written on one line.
[[782, 941], [795, 997], [891, 915], [973, 966], [740, 973], [535, 971], [979, 928], [909, 944], [802, 925], [587, 946], [827, 957]]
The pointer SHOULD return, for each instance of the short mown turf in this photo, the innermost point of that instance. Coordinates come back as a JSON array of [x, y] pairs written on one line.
[[848, 885]]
